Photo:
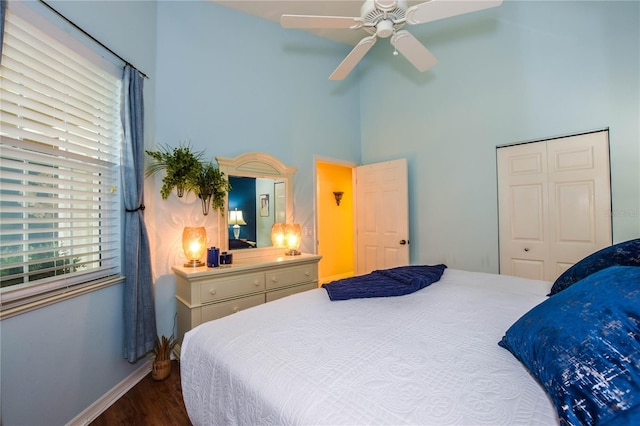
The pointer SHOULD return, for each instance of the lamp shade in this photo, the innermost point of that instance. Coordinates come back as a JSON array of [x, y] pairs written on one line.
[[235, 217], [293, 238], [194, 244], [287, 236], [277, 235]]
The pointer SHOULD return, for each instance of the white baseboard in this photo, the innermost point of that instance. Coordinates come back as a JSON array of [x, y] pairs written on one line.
[[94, 410], [175, 354]]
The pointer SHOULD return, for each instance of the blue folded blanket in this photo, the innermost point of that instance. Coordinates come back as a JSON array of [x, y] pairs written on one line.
[[385, 282]]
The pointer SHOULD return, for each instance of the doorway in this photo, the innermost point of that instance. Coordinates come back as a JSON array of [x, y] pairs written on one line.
[[362, 217], [335, 214]]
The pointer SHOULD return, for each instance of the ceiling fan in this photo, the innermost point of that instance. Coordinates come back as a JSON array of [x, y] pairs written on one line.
[[385, 18]]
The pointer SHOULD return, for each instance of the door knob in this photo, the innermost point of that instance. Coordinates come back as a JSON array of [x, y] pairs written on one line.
[[526, 249], [403, 242]]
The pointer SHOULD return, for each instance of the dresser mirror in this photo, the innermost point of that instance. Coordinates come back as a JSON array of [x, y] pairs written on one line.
[[261, 195]]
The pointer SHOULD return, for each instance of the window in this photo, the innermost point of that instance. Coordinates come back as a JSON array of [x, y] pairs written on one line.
[[60, 146]]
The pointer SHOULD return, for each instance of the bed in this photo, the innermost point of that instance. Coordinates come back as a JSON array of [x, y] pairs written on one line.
[[428, 358]]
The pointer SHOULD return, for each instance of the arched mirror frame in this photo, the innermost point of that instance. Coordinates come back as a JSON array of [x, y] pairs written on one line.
[[256, 165]]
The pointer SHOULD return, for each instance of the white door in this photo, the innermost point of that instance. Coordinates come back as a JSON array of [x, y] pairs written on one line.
[[381, 216], [554, 203]]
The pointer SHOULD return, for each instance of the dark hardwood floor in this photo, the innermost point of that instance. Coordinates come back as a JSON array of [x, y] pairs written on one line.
[[150, 402]]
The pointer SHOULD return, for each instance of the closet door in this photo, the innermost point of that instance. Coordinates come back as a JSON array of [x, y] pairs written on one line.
[[523, 210], [554, 204]]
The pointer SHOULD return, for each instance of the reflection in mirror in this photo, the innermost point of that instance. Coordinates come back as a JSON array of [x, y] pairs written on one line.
[[262, 193], [255, 204]]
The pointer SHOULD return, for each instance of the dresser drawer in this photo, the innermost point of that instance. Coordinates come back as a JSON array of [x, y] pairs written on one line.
[[292, 275], [277, 294], [231, 287], [219, 310]]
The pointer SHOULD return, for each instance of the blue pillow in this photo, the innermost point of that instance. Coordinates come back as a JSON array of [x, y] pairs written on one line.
[[583, 346], [623, 254]]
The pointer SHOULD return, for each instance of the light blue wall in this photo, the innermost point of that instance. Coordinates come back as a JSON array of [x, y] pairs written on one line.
[[526, 70], [231, 83], [57, 361]]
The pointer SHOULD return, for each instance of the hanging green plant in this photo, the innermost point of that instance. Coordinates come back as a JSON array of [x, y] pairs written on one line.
[[178, 163], [186, 172], [210, 185]]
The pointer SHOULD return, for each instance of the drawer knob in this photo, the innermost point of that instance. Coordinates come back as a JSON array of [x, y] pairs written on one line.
[[274, 279], [236, 309], [256, 283], [212, 291], [306, 273]]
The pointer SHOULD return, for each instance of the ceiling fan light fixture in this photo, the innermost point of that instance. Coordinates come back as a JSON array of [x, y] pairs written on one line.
[[384, 28]]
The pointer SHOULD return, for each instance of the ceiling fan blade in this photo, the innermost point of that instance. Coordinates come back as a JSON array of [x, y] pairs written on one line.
[[413, 50], [311, 21], [353, 58], [439, 9]]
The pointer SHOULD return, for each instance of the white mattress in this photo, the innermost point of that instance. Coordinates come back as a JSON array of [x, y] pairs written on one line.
[[429, 358]]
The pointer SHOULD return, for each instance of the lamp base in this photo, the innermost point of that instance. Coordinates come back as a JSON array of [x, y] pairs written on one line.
[[194, 264], [292, 252]]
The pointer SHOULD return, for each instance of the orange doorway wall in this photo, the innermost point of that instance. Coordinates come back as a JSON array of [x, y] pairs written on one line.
[[335, 223]]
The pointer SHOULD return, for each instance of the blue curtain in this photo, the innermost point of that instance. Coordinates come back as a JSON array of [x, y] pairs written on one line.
[[139, 311], [3, 10]]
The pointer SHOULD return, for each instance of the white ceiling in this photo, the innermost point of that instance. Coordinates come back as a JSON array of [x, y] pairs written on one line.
[[273, 9]]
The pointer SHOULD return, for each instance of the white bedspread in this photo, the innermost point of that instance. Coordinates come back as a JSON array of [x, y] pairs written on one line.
[[429, 358]]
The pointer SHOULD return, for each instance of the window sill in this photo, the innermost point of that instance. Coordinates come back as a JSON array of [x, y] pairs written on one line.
[[24, 306]]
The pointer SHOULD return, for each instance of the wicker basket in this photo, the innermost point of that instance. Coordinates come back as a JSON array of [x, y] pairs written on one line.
[[161, 369]]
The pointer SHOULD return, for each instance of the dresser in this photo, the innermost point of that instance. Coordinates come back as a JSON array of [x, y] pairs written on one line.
[[204, 294]]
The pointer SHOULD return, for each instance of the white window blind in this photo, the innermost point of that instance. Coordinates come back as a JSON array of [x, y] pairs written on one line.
[[60, 146]]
